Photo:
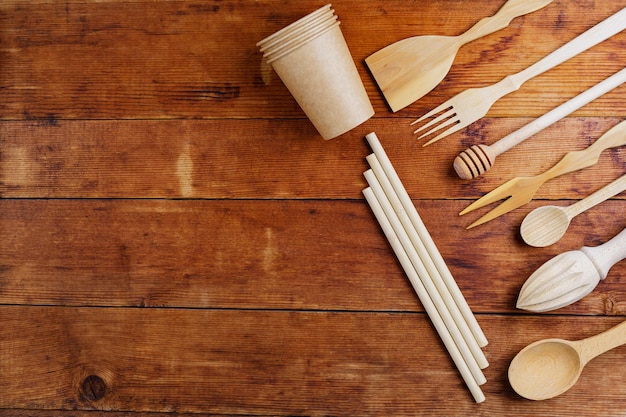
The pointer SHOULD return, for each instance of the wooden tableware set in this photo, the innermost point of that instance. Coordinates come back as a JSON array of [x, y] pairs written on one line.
[[407, 70]]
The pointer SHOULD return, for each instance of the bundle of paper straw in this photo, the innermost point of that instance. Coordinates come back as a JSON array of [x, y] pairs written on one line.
[[427, 271]]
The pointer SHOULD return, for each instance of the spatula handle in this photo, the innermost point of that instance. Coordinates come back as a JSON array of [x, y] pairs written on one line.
[[577, 160], [607, 254], [600, 32], [603, 194], [509, 11]]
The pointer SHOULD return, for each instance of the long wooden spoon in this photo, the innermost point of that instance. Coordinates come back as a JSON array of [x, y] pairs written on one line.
[[408, 69], [550, 367], [546, 225]]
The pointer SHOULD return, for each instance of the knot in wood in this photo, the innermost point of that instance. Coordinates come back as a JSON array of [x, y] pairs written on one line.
[[93, 388]]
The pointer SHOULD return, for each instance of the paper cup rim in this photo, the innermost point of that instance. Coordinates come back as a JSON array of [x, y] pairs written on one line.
[[300, 39], [303, 30], [305, 41], [322, 10]]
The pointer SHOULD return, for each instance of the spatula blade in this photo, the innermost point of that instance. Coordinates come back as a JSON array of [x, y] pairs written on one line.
[[407, 70]]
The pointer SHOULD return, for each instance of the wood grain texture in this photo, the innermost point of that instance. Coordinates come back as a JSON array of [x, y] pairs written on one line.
[[183, 59], [176, 238], [303, 363], [254, 159], [327, 255]]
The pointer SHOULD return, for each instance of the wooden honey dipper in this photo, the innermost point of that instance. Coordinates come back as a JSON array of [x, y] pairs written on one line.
[[478, 159]]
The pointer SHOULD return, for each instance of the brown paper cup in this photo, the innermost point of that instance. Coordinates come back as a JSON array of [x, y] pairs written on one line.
[[315, 64]]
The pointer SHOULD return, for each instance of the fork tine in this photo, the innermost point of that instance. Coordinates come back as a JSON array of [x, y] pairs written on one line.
[[455, 128], [438, 109], [497, 194], [510, 204], [436, 120]]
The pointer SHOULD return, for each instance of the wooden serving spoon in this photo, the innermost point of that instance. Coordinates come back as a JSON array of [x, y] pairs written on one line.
[[550, 367], [408, 69], [546, 225]]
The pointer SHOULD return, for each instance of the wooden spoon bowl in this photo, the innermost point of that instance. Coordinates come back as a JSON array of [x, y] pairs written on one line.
[[545, 369], [545, 225], [550, 367]]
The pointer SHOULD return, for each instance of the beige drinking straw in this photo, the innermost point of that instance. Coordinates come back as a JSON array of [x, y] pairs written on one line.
[[430, 308], [424, 265], [431, 249], [469, 348]]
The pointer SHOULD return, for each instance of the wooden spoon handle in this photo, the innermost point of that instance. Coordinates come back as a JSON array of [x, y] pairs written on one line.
[[509, 11], [558, 113], [604, 193], [576, 160], [596, 345]]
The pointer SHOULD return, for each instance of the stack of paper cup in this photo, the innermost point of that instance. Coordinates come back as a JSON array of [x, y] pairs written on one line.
[[313, 60]]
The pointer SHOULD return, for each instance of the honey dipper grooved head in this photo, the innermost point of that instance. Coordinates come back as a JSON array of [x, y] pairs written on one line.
[[474, 161]]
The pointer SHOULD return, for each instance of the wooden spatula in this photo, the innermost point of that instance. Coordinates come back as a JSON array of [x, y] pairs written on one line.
[[408, 69]]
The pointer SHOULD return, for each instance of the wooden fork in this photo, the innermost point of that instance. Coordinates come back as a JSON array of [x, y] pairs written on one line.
[[520, 190], [472, 104]]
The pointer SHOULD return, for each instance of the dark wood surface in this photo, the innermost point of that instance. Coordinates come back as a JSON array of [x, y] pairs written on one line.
[[175, 237]]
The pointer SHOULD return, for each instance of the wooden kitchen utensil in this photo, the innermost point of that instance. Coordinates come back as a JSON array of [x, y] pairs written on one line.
[[472, 104], [550, 367], [408, 69], [478, 159], [570, 276], [520, 190], [547, 224]]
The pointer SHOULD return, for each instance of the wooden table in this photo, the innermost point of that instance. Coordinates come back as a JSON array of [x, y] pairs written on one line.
[[176, 237]]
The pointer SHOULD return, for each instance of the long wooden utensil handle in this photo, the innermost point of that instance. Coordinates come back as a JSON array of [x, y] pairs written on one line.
[[558, 113], [509, 11], [603, 194], [600, 32], [577, 160]]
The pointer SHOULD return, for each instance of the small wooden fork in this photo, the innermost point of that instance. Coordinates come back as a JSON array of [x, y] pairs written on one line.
[[472, 104], [520, 190]]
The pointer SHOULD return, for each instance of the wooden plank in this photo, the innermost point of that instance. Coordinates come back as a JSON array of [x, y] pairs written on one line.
[[136, 60], [327, 255], [176, 238], [255, 159], [270, 362]]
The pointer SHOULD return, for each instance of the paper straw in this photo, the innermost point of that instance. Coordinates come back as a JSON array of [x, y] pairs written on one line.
[[444, 272], [430, 308], [431, 291], [423, 263]]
